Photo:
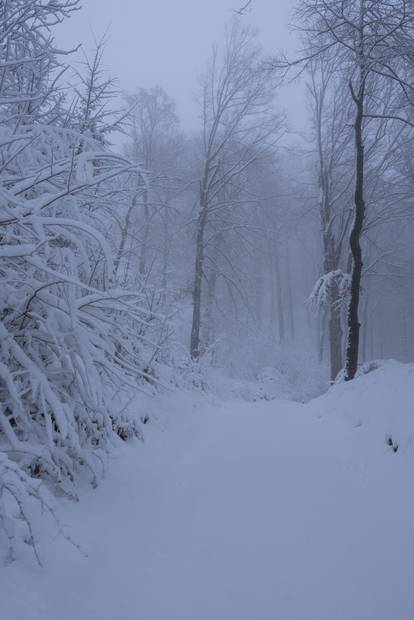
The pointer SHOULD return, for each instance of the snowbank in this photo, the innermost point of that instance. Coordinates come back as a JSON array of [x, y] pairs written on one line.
[[380, 403]]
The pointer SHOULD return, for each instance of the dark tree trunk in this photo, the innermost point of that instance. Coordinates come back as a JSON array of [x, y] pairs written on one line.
[[352, 350], [198, 281], [364, 350]]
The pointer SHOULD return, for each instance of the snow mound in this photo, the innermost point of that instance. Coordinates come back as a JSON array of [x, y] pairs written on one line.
[[379, 402], [286, 382]]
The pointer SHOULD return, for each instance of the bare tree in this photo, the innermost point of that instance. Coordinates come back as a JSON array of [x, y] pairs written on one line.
[[330, 118], [154, 134], [238, 125], [372, 41], [94, 115]]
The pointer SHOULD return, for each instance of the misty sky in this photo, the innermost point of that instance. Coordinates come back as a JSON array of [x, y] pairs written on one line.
[[167, 42]]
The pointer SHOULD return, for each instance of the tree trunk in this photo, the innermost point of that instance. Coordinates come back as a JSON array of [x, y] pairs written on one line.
[[209, 331], [124, 235], [144, 245], [209, 316], [198, 280], [321, 329], [289, 294], [355, 245], [258, 285], [335, 333], [165, 256], [279, 299], [364, 350], [372, 341], [331, 264]]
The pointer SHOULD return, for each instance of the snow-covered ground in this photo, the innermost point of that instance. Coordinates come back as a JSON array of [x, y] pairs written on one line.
[[243, 511]]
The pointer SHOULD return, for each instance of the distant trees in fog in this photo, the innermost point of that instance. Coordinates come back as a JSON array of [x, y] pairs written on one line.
[[364, 48]]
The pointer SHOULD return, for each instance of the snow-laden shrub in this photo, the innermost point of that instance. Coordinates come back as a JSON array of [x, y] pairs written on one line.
[[69, 332], [177, 369], [18, 492], [66, 329]]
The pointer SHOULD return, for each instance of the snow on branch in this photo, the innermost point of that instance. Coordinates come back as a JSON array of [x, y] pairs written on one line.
[[331, 288], [70, 332]]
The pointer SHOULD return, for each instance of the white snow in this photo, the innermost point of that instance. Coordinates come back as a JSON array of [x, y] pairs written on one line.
[[242, 511]]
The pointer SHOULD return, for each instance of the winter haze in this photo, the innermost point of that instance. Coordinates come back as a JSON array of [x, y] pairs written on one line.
[[206, 310], [168, 43]]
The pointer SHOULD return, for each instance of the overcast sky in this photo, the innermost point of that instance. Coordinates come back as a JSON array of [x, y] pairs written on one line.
[[167, 42]]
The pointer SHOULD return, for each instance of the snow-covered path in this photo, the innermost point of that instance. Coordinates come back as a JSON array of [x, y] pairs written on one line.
[[239, 512]]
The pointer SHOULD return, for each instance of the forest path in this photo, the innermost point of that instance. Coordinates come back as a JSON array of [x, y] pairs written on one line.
[[250, 511]]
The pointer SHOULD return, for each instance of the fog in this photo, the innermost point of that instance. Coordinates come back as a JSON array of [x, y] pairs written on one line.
[[169, 43], [262, 312], [206, 309]]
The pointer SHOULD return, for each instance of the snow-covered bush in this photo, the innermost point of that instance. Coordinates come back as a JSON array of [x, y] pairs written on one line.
[[68, 331], [17, 493]]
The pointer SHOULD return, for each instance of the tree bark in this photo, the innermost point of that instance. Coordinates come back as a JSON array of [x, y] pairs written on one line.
[[352, 351], [364, 350], [209, 315], [124, 235], [198, 281]]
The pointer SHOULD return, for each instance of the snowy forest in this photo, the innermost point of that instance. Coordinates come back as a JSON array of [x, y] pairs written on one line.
[[207, 318]]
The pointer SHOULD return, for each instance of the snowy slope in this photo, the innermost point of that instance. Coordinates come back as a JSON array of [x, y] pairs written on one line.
[[244, 511]]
